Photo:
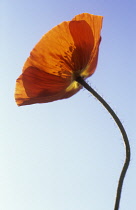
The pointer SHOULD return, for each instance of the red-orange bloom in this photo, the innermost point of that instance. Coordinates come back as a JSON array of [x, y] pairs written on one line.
[[67, 51]]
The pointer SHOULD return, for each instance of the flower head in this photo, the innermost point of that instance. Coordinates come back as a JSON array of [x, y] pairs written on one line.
[[66, 52]]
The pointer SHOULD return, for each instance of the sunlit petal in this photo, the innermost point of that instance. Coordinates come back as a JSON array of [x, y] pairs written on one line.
[[40, 87]]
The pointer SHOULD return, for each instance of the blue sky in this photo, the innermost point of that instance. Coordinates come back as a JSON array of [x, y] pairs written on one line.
[[67, 154]]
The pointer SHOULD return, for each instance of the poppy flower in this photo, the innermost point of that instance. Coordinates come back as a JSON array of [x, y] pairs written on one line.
[[66, 52]]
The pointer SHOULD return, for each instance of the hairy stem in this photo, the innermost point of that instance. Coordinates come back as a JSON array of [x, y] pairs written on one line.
[[124, 135]]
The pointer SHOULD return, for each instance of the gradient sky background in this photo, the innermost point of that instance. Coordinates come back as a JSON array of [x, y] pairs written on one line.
[[68, 154]]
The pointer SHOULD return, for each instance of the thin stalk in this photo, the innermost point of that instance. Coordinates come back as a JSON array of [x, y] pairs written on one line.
[[124, 135]]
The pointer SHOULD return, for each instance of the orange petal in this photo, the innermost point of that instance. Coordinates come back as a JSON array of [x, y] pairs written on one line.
[[84, 42], [52, 58], [36, 86], [95, 23], [53, 52], [93, 60]]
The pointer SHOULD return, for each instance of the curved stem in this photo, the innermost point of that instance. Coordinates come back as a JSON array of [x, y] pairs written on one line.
[[124, 135]]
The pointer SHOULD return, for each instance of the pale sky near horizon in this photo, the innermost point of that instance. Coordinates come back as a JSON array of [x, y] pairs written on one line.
[[68, 154]]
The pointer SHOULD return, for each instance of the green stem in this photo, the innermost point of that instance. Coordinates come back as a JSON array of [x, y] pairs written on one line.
[[124, 135]]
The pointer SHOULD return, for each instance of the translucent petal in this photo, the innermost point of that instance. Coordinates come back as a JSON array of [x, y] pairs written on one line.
[[36, 86]]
